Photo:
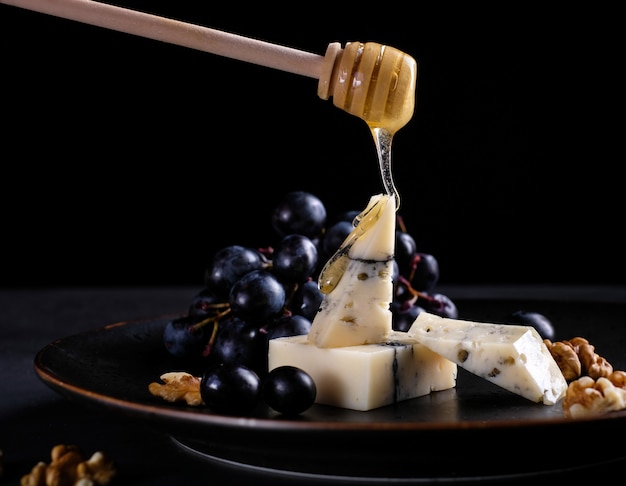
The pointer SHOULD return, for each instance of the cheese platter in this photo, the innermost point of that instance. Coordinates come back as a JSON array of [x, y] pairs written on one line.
[[473, 430]]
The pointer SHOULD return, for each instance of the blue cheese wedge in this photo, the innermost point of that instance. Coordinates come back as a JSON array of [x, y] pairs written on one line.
[[365, 377], [356, 309], [511, 356]]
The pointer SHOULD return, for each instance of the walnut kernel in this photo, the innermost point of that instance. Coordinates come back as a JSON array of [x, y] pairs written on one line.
[[98, 468], [566, 358], [594, 386], [68, 467], [178, 386], [577, 357], [587, 396]]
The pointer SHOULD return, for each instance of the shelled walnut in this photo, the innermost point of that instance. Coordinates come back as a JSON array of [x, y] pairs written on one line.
[[594, 386], [178, 386], [586, 396], [68, 467], [577, 357]]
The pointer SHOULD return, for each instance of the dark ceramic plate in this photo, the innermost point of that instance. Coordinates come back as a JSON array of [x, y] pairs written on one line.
[[475, 431]]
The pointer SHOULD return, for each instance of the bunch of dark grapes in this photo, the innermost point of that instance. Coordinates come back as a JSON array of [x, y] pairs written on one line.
[[252, 295]]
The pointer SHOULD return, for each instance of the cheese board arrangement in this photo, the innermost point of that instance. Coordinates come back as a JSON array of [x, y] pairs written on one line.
[[473, 430]]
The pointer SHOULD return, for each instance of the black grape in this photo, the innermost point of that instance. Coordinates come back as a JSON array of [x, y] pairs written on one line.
[[438, 304], [231, 389], [404, 315], [184, 338], [335, 236], [239, 342], [299, 212], [290, 325], [307, 299], [228, 265], [541, 323], [405, 252], [289, 390], [205, 303], [426, 273], [294, 259], [257, 297]]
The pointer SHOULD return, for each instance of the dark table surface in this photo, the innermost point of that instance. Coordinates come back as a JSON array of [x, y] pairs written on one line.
[[34, 418]]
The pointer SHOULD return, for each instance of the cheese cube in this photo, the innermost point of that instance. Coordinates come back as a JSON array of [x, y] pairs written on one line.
[[369, 376], [511, 356]]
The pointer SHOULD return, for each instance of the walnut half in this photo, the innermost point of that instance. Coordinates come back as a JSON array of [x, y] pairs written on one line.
[[68, 467], [178, 386], [577, 357], [586, 396], [566, 358]]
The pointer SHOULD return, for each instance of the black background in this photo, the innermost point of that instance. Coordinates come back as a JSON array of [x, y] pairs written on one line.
[[129, 161]]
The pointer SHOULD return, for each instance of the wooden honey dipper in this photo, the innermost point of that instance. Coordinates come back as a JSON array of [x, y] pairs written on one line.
[[372, 81]]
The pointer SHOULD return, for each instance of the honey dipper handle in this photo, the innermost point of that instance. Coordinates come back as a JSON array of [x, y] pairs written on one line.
[[179, 33]]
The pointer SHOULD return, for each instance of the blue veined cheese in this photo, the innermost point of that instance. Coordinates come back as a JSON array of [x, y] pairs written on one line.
[[369, 376], [356, 311], [511, 356]]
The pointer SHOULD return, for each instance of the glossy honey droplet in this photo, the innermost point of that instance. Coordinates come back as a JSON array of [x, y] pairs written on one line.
[[334, 269]]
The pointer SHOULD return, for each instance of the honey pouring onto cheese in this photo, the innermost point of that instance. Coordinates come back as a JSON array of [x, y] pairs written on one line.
[[351, 352], [376, 83], [355, 358]]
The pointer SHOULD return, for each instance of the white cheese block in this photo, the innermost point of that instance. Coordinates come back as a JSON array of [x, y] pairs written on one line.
[[511, 356], [357, 310], [367, 376]]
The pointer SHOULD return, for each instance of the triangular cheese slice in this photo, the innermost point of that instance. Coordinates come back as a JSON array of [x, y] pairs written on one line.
[[356, 310], [511, 356]]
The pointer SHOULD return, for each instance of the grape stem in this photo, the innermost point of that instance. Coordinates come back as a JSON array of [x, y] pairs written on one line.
[[416, 293], [401, 224], [209, 345], [215, 320], [414, 263]]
